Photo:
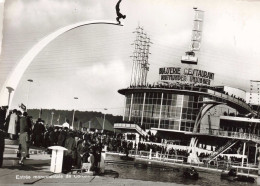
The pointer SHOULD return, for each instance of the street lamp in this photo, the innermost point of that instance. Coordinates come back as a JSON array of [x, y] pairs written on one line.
[[30, 81], [74, 113], [10, 90], [52, 113], [104, 120]]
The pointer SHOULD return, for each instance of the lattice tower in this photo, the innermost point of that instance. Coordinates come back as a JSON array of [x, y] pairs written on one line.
[[140, 66]]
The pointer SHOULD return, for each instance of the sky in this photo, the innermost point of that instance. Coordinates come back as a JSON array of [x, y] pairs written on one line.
[[93, 62]]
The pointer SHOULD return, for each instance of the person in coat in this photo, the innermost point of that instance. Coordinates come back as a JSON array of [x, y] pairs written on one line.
[[69, 155], [12, 126], [24, 142]]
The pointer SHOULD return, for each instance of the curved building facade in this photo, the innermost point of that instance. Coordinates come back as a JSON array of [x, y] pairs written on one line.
[[174, 109]]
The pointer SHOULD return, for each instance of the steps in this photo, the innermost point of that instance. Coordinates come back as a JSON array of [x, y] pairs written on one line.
[[37, 155], [11, 142], [10, 153], [222, 149]]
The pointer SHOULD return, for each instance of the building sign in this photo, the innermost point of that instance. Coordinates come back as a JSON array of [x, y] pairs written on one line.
[[186, 75]]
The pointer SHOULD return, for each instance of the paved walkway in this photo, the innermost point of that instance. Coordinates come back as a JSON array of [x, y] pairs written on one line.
[[40, 175]]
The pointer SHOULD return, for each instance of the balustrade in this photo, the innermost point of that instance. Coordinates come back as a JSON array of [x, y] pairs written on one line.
[[231, 134]]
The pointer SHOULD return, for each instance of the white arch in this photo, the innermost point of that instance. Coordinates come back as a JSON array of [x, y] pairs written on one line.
[[16, 75]]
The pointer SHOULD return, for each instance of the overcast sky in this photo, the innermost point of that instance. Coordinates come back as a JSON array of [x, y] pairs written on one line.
[[93, 62]]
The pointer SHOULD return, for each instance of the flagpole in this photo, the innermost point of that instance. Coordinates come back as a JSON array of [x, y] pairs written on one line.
[[59, 120], [40, 113]]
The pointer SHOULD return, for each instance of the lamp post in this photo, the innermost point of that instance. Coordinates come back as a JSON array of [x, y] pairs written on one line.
[[27, 104], [104, 120], [10, 90], [73, 113], [52, 113]]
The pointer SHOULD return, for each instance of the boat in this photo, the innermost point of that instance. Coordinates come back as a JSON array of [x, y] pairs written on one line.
[[191, 173], [233, 176]]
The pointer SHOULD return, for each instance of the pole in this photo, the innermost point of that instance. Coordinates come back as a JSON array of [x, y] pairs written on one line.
[[74, 113], [52, 117], [244, 149], [104, 122], [160, 111], [130, 112], [27, 103], [10, 89], [142, 118], [73, 118], [59, 120]]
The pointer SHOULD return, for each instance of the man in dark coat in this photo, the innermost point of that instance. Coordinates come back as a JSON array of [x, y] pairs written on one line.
[[51, 136], [57, 132], [38, 132], [69, 155], [62, 137], [2, 144], [2, 115]]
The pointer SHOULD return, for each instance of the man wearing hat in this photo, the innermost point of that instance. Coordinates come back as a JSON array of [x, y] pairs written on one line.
[[38, 131], [62, 137]]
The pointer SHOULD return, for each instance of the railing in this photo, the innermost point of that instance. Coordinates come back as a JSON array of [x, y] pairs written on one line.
[[247, 169], [229, 98], [231, 134], [157, 156]]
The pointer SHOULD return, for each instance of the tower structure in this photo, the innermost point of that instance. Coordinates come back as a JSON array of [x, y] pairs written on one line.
[[140, 55], [190, 57]]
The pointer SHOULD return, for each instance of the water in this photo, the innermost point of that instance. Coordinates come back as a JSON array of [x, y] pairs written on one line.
[[146, 172]]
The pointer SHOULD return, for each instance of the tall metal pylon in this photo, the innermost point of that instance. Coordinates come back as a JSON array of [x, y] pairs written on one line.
[[141, 52]]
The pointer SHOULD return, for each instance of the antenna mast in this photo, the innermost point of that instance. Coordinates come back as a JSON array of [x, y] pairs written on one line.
[[189, 57]]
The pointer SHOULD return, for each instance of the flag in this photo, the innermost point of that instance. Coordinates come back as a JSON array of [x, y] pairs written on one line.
[[23, 107]]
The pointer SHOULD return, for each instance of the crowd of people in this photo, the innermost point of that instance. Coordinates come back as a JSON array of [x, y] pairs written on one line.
[[83, 147]]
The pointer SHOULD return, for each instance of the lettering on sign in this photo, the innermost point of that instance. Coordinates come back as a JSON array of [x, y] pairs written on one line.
[[186, 75]]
